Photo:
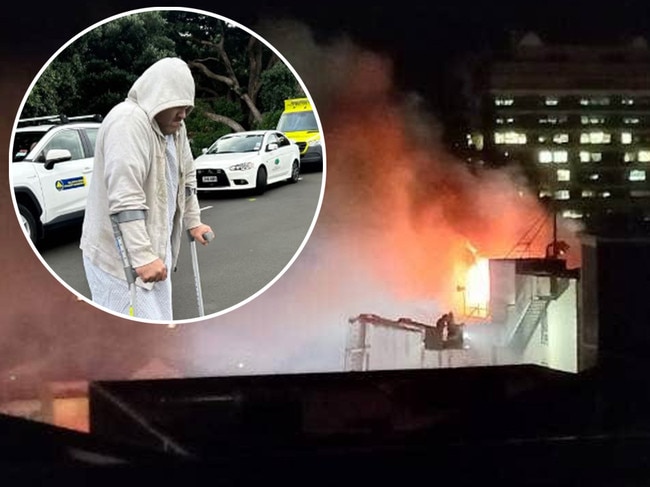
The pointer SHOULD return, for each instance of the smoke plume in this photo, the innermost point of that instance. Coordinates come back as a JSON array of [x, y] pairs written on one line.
[[401, 220]]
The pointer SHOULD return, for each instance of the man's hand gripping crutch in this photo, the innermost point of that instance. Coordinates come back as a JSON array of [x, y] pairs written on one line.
[[129, 272], [206, 238], [151, 272]]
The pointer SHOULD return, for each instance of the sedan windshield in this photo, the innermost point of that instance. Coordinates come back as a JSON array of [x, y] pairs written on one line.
[[237, 143]]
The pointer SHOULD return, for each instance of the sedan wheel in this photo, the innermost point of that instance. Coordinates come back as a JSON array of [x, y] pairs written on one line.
[[295, 172], [260, 181]]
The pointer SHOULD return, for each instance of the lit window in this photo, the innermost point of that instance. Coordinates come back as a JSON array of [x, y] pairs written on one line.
[[587, 193], [594, 176], [544, 193], [560, 156], [595, 138], [546, 156], [571, 214], [627, 101], [542, 139], [596, 100], [631, 120], [548, 120], [591, 120], [510, 138], [503, 101], [551, 101], [604, 194], [561, 138], [637, 175], [644, 156], [626, 138], [640, 193], [629, 157], [562, 194], [563, 175], [591, 156]]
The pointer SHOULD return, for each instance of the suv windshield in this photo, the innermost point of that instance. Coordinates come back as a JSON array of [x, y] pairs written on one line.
[[23, 143]]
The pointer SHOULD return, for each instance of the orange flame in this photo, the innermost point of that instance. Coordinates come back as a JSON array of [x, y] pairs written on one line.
[[477, 289]]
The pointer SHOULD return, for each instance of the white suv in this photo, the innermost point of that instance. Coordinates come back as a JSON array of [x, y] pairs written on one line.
[[50, 173]]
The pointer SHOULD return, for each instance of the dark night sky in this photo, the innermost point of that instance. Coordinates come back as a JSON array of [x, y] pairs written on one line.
[[421, 37]]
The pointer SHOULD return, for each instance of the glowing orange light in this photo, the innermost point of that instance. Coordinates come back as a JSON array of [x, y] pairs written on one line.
[[477, 289]]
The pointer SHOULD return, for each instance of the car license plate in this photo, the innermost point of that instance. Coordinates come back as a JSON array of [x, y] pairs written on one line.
[[209, 179]]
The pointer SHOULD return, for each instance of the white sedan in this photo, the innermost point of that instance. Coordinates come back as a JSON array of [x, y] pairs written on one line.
[[248, 160]]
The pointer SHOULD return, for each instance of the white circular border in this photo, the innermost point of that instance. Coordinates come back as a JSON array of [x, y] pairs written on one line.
[[172, 323]]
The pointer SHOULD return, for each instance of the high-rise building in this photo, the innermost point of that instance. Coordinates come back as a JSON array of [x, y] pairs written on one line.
[[576, 120]]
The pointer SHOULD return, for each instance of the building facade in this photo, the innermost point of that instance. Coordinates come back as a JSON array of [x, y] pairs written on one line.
[[576, 120]]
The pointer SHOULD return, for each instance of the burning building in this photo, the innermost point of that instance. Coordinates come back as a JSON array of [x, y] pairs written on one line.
[[376, 343], [520, 311]]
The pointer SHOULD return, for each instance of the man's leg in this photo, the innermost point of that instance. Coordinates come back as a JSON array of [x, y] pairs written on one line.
[[112, 293]]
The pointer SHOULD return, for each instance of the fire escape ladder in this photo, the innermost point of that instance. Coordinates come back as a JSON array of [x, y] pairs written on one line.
[[528, 324], [522, 247]]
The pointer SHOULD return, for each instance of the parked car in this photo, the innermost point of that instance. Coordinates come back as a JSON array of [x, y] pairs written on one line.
[[298, 122], [248, 160], [52, 161]]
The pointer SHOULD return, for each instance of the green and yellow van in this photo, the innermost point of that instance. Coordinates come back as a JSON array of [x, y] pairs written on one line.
[[298, 123]]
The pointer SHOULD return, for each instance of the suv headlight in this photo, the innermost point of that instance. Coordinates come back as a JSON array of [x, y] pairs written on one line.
[[313, 142], [242, 166]]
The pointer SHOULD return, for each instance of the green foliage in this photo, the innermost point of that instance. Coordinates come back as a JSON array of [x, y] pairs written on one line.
[[278, 84], [269, 120], [121, 50], [202, 130], [96, 71], [44, 98]]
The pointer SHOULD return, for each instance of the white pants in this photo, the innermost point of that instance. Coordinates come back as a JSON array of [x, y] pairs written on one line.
[[113, 293]]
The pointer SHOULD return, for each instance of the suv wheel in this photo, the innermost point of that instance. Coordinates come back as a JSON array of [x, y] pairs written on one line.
[[28, 222]]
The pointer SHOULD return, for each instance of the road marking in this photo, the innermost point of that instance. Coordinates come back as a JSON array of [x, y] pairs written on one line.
[[206, 208]]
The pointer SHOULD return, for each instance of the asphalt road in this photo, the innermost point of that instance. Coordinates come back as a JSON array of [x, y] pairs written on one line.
[[255, 239]]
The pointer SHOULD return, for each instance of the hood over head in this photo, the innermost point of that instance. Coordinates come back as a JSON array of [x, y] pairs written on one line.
[[165, 84]]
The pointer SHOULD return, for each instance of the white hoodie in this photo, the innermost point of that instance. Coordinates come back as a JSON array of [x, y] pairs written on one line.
[[130, 172]]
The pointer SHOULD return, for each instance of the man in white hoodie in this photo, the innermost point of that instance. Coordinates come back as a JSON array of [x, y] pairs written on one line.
[[144, 179]]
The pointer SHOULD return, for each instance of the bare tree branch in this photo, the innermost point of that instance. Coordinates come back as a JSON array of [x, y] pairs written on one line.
[[225, 120], [232, 84]]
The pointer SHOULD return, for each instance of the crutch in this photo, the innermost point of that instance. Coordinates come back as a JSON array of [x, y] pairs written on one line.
[[195, 266], [129, 271]]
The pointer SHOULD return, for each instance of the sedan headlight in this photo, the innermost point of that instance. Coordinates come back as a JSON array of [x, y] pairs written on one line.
[[242, 166], [313, 142]]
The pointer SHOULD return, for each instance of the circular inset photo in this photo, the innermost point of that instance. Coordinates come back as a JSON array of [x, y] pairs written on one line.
[[167, 165]]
